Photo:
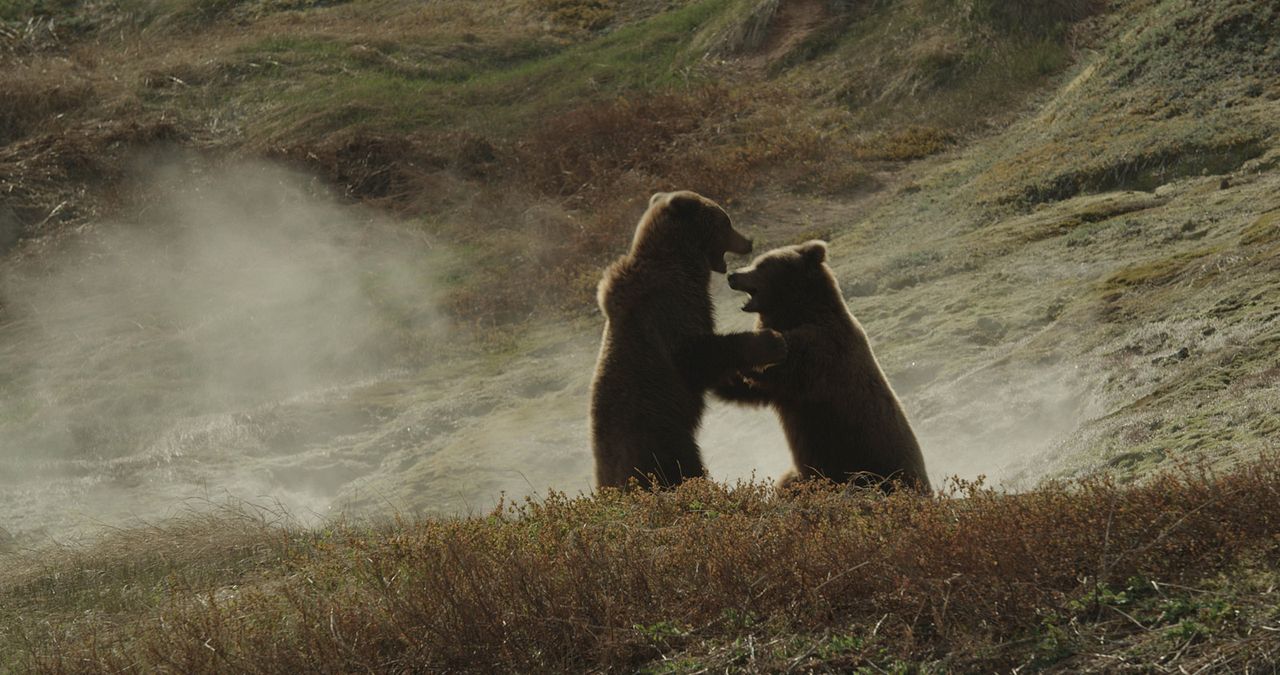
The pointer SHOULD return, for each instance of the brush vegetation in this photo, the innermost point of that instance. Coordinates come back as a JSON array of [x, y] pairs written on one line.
[[1042, 211], [1084, 575], [591, 105]]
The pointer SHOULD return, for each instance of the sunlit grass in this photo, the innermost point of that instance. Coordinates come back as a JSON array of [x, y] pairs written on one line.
[[616, 581]]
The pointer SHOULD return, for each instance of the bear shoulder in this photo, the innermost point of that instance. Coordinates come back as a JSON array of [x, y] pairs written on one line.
[[623, 287]]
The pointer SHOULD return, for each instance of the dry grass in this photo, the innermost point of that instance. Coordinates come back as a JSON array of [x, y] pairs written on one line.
[[43, 176], [1179, 98], [613, 581], [903, 144], [527, 132], [580, 14], [707, 576], [598, 163], [1036, 17], [35, 97]]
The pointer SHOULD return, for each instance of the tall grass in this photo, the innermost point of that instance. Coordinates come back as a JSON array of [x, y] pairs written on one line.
[[614, 581], [1033, 17], [36, 97], [575, 108]]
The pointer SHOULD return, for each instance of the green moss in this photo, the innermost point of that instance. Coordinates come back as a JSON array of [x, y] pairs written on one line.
[[20, 10], [1155, 272], [580, 14], [1038, 58], [1265, 230], [1146, 169], [507, 85], [1032, 17]]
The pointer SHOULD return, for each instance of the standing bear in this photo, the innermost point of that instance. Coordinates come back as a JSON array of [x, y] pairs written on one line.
[[660, 354], [841, 417]]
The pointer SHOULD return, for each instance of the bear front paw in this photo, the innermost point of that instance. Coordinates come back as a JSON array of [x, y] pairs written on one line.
[[767, 347]]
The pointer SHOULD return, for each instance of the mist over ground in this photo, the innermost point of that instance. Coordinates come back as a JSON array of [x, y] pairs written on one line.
[[245, 336], [142, 362], [995, 421], [1058, 276]]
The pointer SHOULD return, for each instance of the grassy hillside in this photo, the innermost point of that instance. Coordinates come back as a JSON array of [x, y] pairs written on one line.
[[340, 256], [585, 105], [1068, 578]]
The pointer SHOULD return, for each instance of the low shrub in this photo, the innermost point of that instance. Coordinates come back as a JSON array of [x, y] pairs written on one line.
[[614, 581]]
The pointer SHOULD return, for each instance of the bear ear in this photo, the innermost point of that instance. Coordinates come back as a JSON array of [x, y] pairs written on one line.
[[684, 203], [814, 252], [656, 196]]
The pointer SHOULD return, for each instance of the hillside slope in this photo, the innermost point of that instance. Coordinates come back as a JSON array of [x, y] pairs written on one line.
[[1057, 234], [339, 257]]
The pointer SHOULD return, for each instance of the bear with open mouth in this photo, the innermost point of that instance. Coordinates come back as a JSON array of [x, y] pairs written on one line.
[[840, 415], [660, 353]]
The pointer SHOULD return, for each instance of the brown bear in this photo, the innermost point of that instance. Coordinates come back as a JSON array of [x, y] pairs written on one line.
[[660, 353], [841, 417]]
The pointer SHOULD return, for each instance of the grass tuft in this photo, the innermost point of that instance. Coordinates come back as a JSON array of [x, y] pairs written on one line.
[[617, 581], [34, 99]]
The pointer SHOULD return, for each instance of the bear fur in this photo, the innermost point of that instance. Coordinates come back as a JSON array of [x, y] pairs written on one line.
[[841, 417], [660, 354]]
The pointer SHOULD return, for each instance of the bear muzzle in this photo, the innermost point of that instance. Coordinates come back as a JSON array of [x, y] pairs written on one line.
[[736, 244], [739, 281]]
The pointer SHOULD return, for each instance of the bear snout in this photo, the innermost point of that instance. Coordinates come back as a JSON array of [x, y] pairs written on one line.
[[739, 280], [738, 243]]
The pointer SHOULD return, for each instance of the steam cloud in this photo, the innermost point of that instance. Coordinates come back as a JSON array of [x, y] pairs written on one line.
[[140, 357], [1001, 422], [244, 334]]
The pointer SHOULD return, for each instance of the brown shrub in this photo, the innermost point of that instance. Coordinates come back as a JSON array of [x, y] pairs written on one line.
[[579, 14], [610, 581], [720, 142], [595, 165], [58, 177], [1036, 17], [603, 159], [902, 144], [582, 153], [390, 171], [33, 97]]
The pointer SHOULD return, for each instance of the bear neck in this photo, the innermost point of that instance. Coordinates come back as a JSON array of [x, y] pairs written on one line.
[[677, 260], [661, 241]]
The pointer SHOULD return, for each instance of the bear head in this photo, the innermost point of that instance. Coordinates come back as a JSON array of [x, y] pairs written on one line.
[[686, 225], [789, 285]]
